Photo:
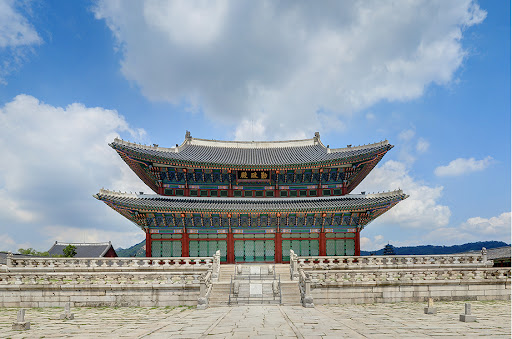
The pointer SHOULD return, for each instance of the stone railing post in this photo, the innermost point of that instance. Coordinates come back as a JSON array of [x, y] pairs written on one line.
[[216, 265], [484, 256], [308, 298], [294, 273], [204, 282], [9, 259]]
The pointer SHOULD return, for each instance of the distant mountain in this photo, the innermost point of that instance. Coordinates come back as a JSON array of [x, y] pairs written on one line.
[[137, 250], [429, 249]]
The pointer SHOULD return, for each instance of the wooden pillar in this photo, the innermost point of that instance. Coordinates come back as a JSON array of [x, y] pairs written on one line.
[[357, 244], [322, 248], [278, 248], [230, 248], [148, 243], [185, 244]]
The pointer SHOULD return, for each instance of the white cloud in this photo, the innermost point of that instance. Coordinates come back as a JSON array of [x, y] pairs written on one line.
[[16, 37], [53, 160], [461, 166], [475, 229], [283, 63], [421, 209], [407, 135], [422, 146]]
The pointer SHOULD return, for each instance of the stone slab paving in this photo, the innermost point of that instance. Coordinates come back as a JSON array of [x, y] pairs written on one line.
[[399, 320]]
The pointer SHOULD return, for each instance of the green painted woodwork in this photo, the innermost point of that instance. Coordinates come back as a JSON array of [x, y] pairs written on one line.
[[304, 247], [340, 247], [207, 248], [254, 250], [166, 248]]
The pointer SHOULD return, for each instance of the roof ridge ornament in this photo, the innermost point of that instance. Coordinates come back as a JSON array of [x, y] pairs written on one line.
[[188, 136]]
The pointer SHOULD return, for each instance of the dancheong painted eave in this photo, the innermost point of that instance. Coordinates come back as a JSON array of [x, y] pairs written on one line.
[[375, 204], [201, 153]]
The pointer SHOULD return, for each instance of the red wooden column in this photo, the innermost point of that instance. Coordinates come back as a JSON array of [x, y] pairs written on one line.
[[148, 243], [184, 244], [357, 244], [230, 256], [322, 248], [279, 248]]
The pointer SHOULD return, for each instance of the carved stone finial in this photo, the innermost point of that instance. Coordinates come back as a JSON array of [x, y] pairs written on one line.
[[188, 136], [317, 136]]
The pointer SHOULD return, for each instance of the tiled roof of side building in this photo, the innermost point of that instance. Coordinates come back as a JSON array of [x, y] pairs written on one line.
[[83, 250], [345, 203], [256, 153]]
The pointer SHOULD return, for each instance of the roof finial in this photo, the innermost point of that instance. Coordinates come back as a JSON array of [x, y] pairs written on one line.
[[317, 137], [188, 136]]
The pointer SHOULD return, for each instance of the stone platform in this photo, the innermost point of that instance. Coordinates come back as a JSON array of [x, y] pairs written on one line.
[[398, 320]]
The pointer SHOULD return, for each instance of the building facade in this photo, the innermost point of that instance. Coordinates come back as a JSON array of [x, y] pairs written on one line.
[[253, 201]]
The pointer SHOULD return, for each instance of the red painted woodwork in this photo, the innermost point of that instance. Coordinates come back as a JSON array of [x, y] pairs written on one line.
[[148, 243], [184, 244], [322, 249], [357, 244], [111, 253], [278, 248], [230, 248]]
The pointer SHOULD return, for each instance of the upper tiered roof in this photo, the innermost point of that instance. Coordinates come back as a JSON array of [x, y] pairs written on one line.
[[252, 153]]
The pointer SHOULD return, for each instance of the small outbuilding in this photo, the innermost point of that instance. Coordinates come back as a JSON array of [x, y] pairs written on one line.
[[86, 250]]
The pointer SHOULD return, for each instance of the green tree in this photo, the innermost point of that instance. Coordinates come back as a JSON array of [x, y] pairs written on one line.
[[69, 251], [31, 251]]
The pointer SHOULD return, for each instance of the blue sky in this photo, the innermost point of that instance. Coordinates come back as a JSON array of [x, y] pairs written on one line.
[[432, 77]]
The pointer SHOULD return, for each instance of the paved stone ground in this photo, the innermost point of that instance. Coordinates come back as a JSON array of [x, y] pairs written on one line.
[[404, 320]]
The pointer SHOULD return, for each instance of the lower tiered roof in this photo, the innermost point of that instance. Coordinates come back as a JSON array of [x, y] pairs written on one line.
[[135, 205]]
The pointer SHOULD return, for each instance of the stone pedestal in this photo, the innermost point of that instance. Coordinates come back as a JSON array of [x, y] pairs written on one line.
[[467, 318], [21, 324], [430, 310]]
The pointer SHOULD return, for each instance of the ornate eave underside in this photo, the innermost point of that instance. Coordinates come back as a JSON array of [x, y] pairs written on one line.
[[138, 207]]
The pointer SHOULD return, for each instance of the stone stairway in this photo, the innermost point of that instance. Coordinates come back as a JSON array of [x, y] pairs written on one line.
[[220, 294]]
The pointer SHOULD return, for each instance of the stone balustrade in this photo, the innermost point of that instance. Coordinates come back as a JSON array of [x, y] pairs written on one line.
[[108, 264], [100, 279], [399, 276], [391, 262]]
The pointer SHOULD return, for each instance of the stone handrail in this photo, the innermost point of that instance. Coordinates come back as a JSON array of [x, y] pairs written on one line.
[[305, 289], [95, 278], [294, 272], [428, 276], [216, 265], [392, 262], [205, 288], [110, 264]]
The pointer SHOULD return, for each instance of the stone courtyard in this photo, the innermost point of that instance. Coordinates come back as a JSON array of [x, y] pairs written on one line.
[[383, 320]]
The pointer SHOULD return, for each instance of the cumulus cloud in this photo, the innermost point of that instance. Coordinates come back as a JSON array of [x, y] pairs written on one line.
[[462, 166], [476, 229], [421, 209], [284, 63], [16, 37], [53, 160]]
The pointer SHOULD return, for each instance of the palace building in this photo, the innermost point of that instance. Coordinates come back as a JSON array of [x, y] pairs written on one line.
[[253, 201]]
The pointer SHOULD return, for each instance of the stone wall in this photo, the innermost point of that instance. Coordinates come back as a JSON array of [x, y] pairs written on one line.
[[371, 287], [53, 282], [350, 280]]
